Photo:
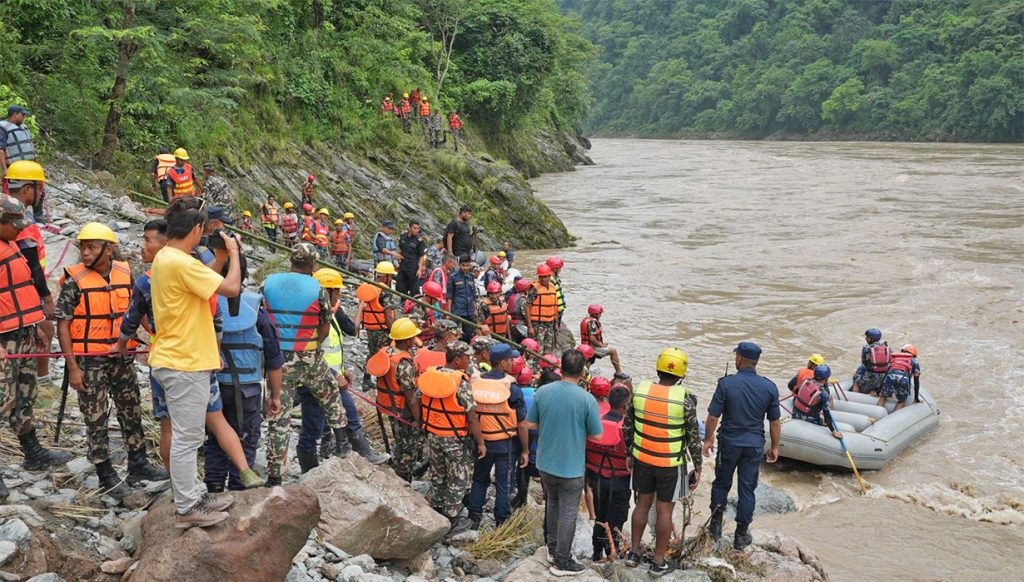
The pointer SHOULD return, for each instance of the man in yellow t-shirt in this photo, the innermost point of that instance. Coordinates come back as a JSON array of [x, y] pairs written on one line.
[[184, 352]]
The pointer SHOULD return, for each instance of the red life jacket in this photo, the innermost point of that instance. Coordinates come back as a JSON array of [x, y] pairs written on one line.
[[308, 229], [444, 281], [454, 122], [585, 337], [516, 315], [289, 222], [808, 397], [902, 362], [607, 458], [20, 305], [879, 358]]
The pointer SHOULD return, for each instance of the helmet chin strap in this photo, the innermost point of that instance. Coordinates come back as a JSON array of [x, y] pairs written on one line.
[[103, 249]]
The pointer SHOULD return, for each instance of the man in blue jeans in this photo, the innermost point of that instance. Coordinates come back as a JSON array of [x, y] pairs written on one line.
[[742, 401], [565, 417]]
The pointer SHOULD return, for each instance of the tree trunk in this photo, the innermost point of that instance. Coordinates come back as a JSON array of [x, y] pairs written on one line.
[[125, 51]]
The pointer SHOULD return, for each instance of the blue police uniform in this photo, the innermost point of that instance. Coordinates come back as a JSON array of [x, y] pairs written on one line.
[[462, 293]]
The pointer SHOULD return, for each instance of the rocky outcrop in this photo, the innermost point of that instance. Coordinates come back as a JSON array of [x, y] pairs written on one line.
[[782, 559], [367, 509], [259, 540]]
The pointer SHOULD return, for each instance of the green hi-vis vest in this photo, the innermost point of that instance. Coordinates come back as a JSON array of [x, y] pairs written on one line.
[[660, 427]]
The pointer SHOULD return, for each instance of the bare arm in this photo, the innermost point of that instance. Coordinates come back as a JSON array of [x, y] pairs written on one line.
[[775, 428], [709, 434], [478, 437]]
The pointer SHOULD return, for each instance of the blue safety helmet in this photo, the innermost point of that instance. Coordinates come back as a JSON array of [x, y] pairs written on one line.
[[822, 372], [873, 333]]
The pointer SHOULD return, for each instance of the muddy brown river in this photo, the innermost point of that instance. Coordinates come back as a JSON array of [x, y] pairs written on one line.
[[800, 247]]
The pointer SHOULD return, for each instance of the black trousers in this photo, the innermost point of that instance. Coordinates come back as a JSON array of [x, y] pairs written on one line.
[[611, 504], [406, 282]]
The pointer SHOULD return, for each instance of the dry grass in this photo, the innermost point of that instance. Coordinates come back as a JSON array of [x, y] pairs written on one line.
[[522, 527]]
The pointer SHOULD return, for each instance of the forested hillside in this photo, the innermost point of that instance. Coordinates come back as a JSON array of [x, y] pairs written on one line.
[[114, 80], [880, 69]]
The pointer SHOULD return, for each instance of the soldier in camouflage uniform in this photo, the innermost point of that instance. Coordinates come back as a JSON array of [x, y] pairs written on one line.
[[454, 440], [376, 316], [285, 295], [396, 393], [216, 190], [446, 332], [94, 297], [20, 310]]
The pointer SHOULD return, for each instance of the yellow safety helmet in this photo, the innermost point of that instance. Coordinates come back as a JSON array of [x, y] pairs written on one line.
[[348, 215], [329, 278], [385, 268], [324, 211], [247, 213], [403, 328], [97, 231], [502, 254], [338, 222], [816, 359], [25, 171], [181, 153], [288, 205], [405, 95], [672, 361]]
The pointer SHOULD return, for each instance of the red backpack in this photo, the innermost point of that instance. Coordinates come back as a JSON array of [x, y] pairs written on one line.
[[808, 397], [879, 358]]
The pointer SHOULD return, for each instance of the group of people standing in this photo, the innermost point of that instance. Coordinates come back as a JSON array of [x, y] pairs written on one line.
[[413, 107]]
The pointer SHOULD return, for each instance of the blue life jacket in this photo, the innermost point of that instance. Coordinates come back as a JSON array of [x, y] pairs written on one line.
[[242, 345], [292, 302], [528, 397]]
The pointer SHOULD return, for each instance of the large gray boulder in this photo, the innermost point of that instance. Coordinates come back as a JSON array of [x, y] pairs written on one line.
[[366, 509], [767, 499]]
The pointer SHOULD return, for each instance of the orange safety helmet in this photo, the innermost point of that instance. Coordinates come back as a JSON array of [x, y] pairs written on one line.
[[543, 270]]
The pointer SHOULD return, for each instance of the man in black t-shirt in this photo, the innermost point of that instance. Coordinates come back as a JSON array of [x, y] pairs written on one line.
[[457, 237], [410, 269]]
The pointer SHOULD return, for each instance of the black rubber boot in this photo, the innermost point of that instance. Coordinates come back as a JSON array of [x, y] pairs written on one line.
[[361, 445], [715, 527], [459, 525], [272, 481], [341, 445], [307, 460], [140, 469], [474, 519], [742, 539], [4, 492], [327, 445], [36, 457], [215, 487], [110, 483]]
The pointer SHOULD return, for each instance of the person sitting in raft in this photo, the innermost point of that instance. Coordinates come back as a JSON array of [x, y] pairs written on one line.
[[813, 361], [902, 368], [811, 400]]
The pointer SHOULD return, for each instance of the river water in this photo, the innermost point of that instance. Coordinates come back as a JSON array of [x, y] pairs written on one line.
[[800, 247]]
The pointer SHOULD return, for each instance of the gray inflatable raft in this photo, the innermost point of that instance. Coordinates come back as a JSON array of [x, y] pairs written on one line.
[[874, 435]]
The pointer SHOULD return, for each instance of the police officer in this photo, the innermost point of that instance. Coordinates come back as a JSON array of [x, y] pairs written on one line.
[[462, 295], [411, 249], [742, 401], [874, 363], [20, 311]]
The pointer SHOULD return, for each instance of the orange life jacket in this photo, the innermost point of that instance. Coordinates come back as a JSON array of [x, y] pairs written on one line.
[[406, 106], [32, 232], [97, 319], [389, 392], [659, 430], [440, 411], [497, 419], [339, 241], [454, 122], [308, 229], [497, 316], [289, 222], [387, 105], [164, 162], [268, 214], [424, 108], [373, 318], [428, 359], [545, 305], [802, 374], [585, 337], [321, 233], [20, 305], [184, 183]]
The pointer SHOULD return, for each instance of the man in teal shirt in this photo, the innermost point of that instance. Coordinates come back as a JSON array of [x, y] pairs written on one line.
[[565, 416]]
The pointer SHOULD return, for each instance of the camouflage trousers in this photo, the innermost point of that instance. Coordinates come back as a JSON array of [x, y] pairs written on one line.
[[546, 334], [301, 369], [451, 472], [110, 378], [18, 379], [407, 450]]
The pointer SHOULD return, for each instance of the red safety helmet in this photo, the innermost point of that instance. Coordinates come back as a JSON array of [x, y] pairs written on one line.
[[600, 386], [525, 376], [555, 263], [433, 289], [586, 350], [595, 309], [494, 287], [495, 260], [550, 361], [517, 365], [531, 344], [543, 270], [523, 284], [307, 207], [311, 178]]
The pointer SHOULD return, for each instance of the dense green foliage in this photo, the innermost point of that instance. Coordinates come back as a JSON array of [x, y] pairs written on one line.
[[117, 79], [889, 69]]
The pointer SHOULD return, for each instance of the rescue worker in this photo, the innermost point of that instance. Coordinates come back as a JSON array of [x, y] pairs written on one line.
[[813, 361], [462, 295], [396, 389], [453, 441], [556, 264], [341, 244], [21, 310], [404, 112], [414, 100], [592, 335], [607, 473], [424, 112], [15, 138], [493, 272], [874, 363], [480, 362], [307, 189], [455, 127], [542, 310], [350, 227], [660, 429], [810, 401], [384, 248], [181, 179], [269, 217], [435, 255], [216, 189], [313, 419], [434, 134], [494, 311], [376, 312], [251, 351], [501, 411], [25, 180], [307, 228], [902, 368], [386, 104], [510, 253], [440, 275], [246, 223], [94, 296], [289, 224], [301, 310], [411, 249], [743, 401], [517, 309], [322, 232], [158, 173]]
